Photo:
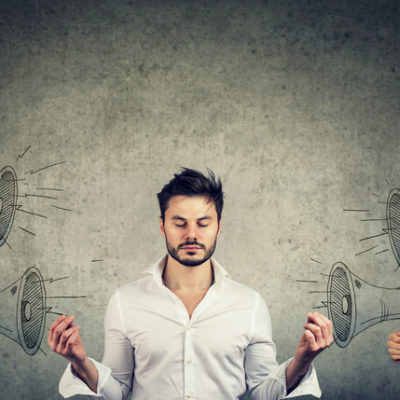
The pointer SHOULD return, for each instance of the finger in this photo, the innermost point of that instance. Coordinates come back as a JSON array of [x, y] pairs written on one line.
[[393, 345], [325, 324], [315, 315], [59, 329], [396, 358], [65, 336], [395, 337], [321, 321], [311, 340], [53, 326], [71, 342], [316, 331], [393, 351]]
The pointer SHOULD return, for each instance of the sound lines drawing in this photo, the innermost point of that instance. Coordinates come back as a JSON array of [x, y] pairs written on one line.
[[11, 200], [23, 315], [24, 302], [353, 304], [393, 219], [8, 199], [26, 299]]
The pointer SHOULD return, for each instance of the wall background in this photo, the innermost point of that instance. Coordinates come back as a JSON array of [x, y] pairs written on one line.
[[295, 104]]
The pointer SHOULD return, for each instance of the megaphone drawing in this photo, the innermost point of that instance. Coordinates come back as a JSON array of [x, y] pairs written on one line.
[[23, 310], [8, 201], [354, 304]]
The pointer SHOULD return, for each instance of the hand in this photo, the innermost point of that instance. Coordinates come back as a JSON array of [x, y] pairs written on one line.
[[64, 339], [317, 336], [394, 346]]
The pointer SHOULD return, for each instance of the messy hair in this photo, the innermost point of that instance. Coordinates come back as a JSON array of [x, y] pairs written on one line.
[[192, 183]]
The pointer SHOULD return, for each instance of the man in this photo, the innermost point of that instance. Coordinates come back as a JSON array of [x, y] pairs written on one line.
[[187, 331], [394, 346]]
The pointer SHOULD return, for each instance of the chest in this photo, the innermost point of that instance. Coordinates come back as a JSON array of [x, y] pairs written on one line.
[[196, 323], [190, 300]]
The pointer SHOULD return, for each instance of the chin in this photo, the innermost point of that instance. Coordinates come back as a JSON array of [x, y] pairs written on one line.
[[191, 262]]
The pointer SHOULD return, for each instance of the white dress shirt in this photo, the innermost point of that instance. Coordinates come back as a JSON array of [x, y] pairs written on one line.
[[155, 350]]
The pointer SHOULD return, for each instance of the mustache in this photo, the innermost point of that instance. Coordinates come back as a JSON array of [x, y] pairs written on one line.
[[192, 244]]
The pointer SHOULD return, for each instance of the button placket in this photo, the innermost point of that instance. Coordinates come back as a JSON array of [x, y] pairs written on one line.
[[189, 375]]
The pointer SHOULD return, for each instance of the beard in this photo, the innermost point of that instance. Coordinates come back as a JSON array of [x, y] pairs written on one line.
[[190, 262]]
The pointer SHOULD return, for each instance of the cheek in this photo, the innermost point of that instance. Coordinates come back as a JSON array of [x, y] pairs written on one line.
[[173, 234], [211, 236]]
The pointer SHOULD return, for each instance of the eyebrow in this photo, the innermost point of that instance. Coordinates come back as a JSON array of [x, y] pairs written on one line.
[[177, 217]]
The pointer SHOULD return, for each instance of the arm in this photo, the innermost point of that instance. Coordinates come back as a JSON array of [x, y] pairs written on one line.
[[394, 346], [264, 377], [317, 336], [64, 339], [111, 379]]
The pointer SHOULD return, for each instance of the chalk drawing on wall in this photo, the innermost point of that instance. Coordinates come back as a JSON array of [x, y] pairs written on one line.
[[24, 302], [393, 223], [8, 200], [24, 305], [14, 191], [354, 304], [24, 308]]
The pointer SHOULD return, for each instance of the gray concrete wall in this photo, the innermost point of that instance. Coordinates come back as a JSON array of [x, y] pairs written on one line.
[[294, 104]]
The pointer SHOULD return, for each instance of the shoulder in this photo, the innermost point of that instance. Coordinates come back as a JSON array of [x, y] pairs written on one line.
[[240, 287], [139, 286], [241, 292], [132, 291]]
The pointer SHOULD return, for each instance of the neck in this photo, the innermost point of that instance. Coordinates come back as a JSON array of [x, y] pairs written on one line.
[[177, 276]]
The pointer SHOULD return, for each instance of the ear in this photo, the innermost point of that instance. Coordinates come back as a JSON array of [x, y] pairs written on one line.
[[161, 222], [219, 226]]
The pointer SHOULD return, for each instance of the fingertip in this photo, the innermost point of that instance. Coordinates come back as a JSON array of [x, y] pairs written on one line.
[[308, 333]]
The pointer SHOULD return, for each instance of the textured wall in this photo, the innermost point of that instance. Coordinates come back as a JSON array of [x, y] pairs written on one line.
[[295, 104]]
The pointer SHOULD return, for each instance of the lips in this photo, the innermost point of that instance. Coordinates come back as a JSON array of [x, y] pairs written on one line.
[[191, 246]]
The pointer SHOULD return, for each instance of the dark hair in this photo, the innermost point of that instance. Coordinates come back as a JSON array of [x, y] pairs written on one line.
[[192, 183]]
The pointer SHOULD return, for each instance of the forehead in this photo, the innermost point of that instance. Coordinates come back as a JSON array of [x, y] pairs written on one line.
[[190, 207]]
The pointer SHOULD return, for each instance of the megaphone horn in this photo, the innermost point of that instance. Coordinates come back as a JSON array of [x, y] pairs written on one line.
[[8, 201], [354, 304], [23, 310], [393, 222]]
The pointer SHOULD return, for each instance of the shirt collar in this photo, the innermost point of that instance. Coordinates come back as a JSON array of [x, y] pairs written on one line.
[[220, 273]]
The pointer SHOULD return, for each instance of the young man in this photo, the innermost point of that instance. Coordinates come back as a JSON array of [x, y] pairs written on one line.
[[187, 331]]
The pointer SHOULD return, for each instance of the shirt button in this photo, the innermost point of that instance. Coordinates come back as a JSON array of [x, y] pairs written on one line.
[[189, 396], [188, 361]]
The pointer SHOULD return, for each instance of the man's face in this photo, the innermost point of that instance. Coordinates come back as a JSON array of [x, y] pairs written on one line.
[[190, 229]]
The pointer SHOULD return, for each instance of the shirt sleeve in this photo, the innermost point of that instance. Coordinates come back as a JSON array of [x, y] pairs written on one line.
[[266, 380], [116, 370]]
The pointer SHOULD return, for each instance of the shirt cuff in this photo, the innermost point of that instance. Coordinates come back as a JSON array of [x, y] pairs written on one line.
[[70, 384], [309, 385]]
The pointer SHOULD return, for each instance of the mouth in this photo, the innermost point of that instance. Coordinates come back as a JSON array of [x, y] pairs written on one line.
[[191, 248]]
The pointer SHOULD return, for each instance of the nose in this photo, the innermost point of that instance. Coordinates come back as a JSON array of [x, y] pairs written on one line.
[[191, 233]]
